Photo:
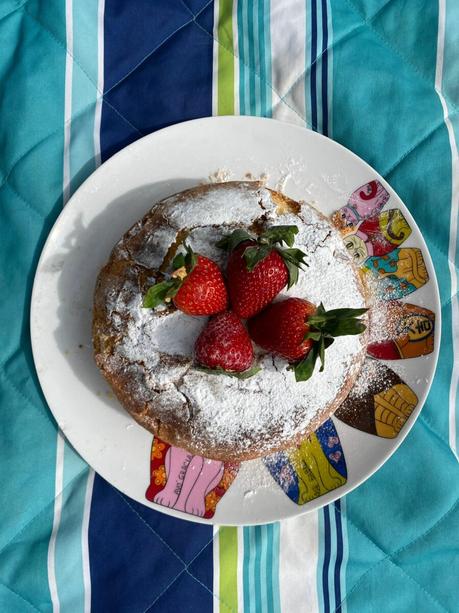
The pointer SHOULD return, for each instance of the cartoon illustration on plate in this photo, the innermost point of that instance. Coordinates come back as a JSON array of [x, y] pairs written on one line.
[[186, 482], [405, 331], [377, 235], [398, 273], [366, 201], [311, 469], [379, 403]]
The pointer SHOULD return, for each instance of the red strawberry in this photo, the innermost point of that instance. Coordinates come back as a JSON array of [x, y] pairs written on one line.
[[297, 330], [196, 286], [259, 269], [224, 344]]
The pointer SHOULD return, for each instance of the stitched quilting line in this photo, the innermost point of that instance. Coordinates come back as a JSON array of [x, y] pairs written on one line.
[[101, 94], [17, 8], [394, 49], [395, 553], [18, 595], [425, 422], [423, 139], [174, 553], [20, 393], [45, 508]]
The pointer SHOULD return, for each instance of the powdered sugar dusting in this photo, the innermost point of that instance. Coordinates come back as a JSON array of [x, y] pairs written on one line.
[[222, 411]]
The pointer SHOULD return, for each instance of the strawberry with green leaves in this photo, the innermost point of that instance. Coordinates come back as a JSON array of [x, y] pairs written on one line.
[[196, 286], [301, 332], [224, 347], [259, 268]]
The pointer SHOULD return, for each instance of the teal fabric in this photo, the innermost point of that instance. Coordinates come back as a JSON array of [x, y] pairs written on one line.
[[31, 144], [403, 522]]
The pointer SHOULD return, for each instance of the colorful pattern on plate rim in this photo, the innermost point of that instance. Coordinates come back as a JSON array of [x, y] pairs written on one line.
[[379, 406], [186, 482]]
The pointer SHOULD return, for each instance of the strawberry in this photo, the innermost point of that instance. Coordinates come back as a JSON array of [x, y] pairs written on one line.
[[259, 268], [225, 347], [196, 286], [300, 332]]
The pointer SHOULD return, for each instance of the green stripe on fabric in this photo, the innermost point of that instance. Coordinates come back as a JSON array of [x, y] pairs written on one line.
[[225, 88], [228, 558]]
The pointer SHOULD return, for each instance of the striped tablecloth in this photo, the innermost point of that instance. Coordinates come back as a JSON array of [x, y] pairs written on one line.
[[80, 79]]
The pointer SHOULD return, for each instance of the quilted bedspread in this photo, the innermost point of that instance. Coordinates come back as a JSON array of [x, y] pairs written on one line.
[[79, 80]]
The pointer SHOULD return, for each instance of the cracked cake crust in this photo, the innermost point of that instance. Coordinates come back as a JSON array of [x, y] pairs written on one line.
[[147, 356]]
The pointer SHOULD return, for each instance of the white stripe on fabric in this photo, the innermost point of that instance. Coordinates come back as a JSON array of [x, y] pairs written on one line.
[[58, 486], [216, 566], [85, 541], [100, 80], [453, 227], [68, 98], [299, 544], [236, 60], [288, 38]]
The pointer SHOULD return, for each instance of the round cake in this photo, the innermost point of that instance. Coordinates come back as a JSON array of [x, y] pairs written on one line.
[[147, 354]]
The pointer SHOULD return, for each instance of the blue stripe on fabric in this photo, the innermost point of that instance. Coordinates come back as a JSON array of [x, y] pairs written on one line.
[[136, 553], [326, 561], [324, 64], [313, 56], [339, 554], [169, 67]]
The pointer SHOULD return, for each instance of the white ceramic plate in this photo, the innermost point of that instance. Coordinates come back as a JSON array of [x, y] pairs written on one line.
[[305, 166]]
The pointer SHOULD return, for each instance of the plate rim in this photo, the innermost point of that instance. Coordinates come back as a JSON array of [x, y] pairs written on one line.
[[330, 496]]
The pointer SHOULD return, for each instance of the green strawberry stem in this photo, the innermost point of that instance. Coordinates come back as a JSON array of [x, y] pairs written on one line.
[[272, 238], [324, 327], [163, 292], [245, 374]]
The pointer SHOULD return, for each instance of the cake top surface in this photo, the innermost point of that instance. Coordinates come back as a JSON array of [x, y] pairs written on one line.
[[155, 347]]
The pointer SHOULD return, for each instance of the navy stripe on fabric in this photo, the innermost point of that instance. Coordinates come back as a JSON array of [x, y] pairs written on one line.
[[339, 555], [313, 64], [158, 68], [324, 68], [136, 555], [327, 546]]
